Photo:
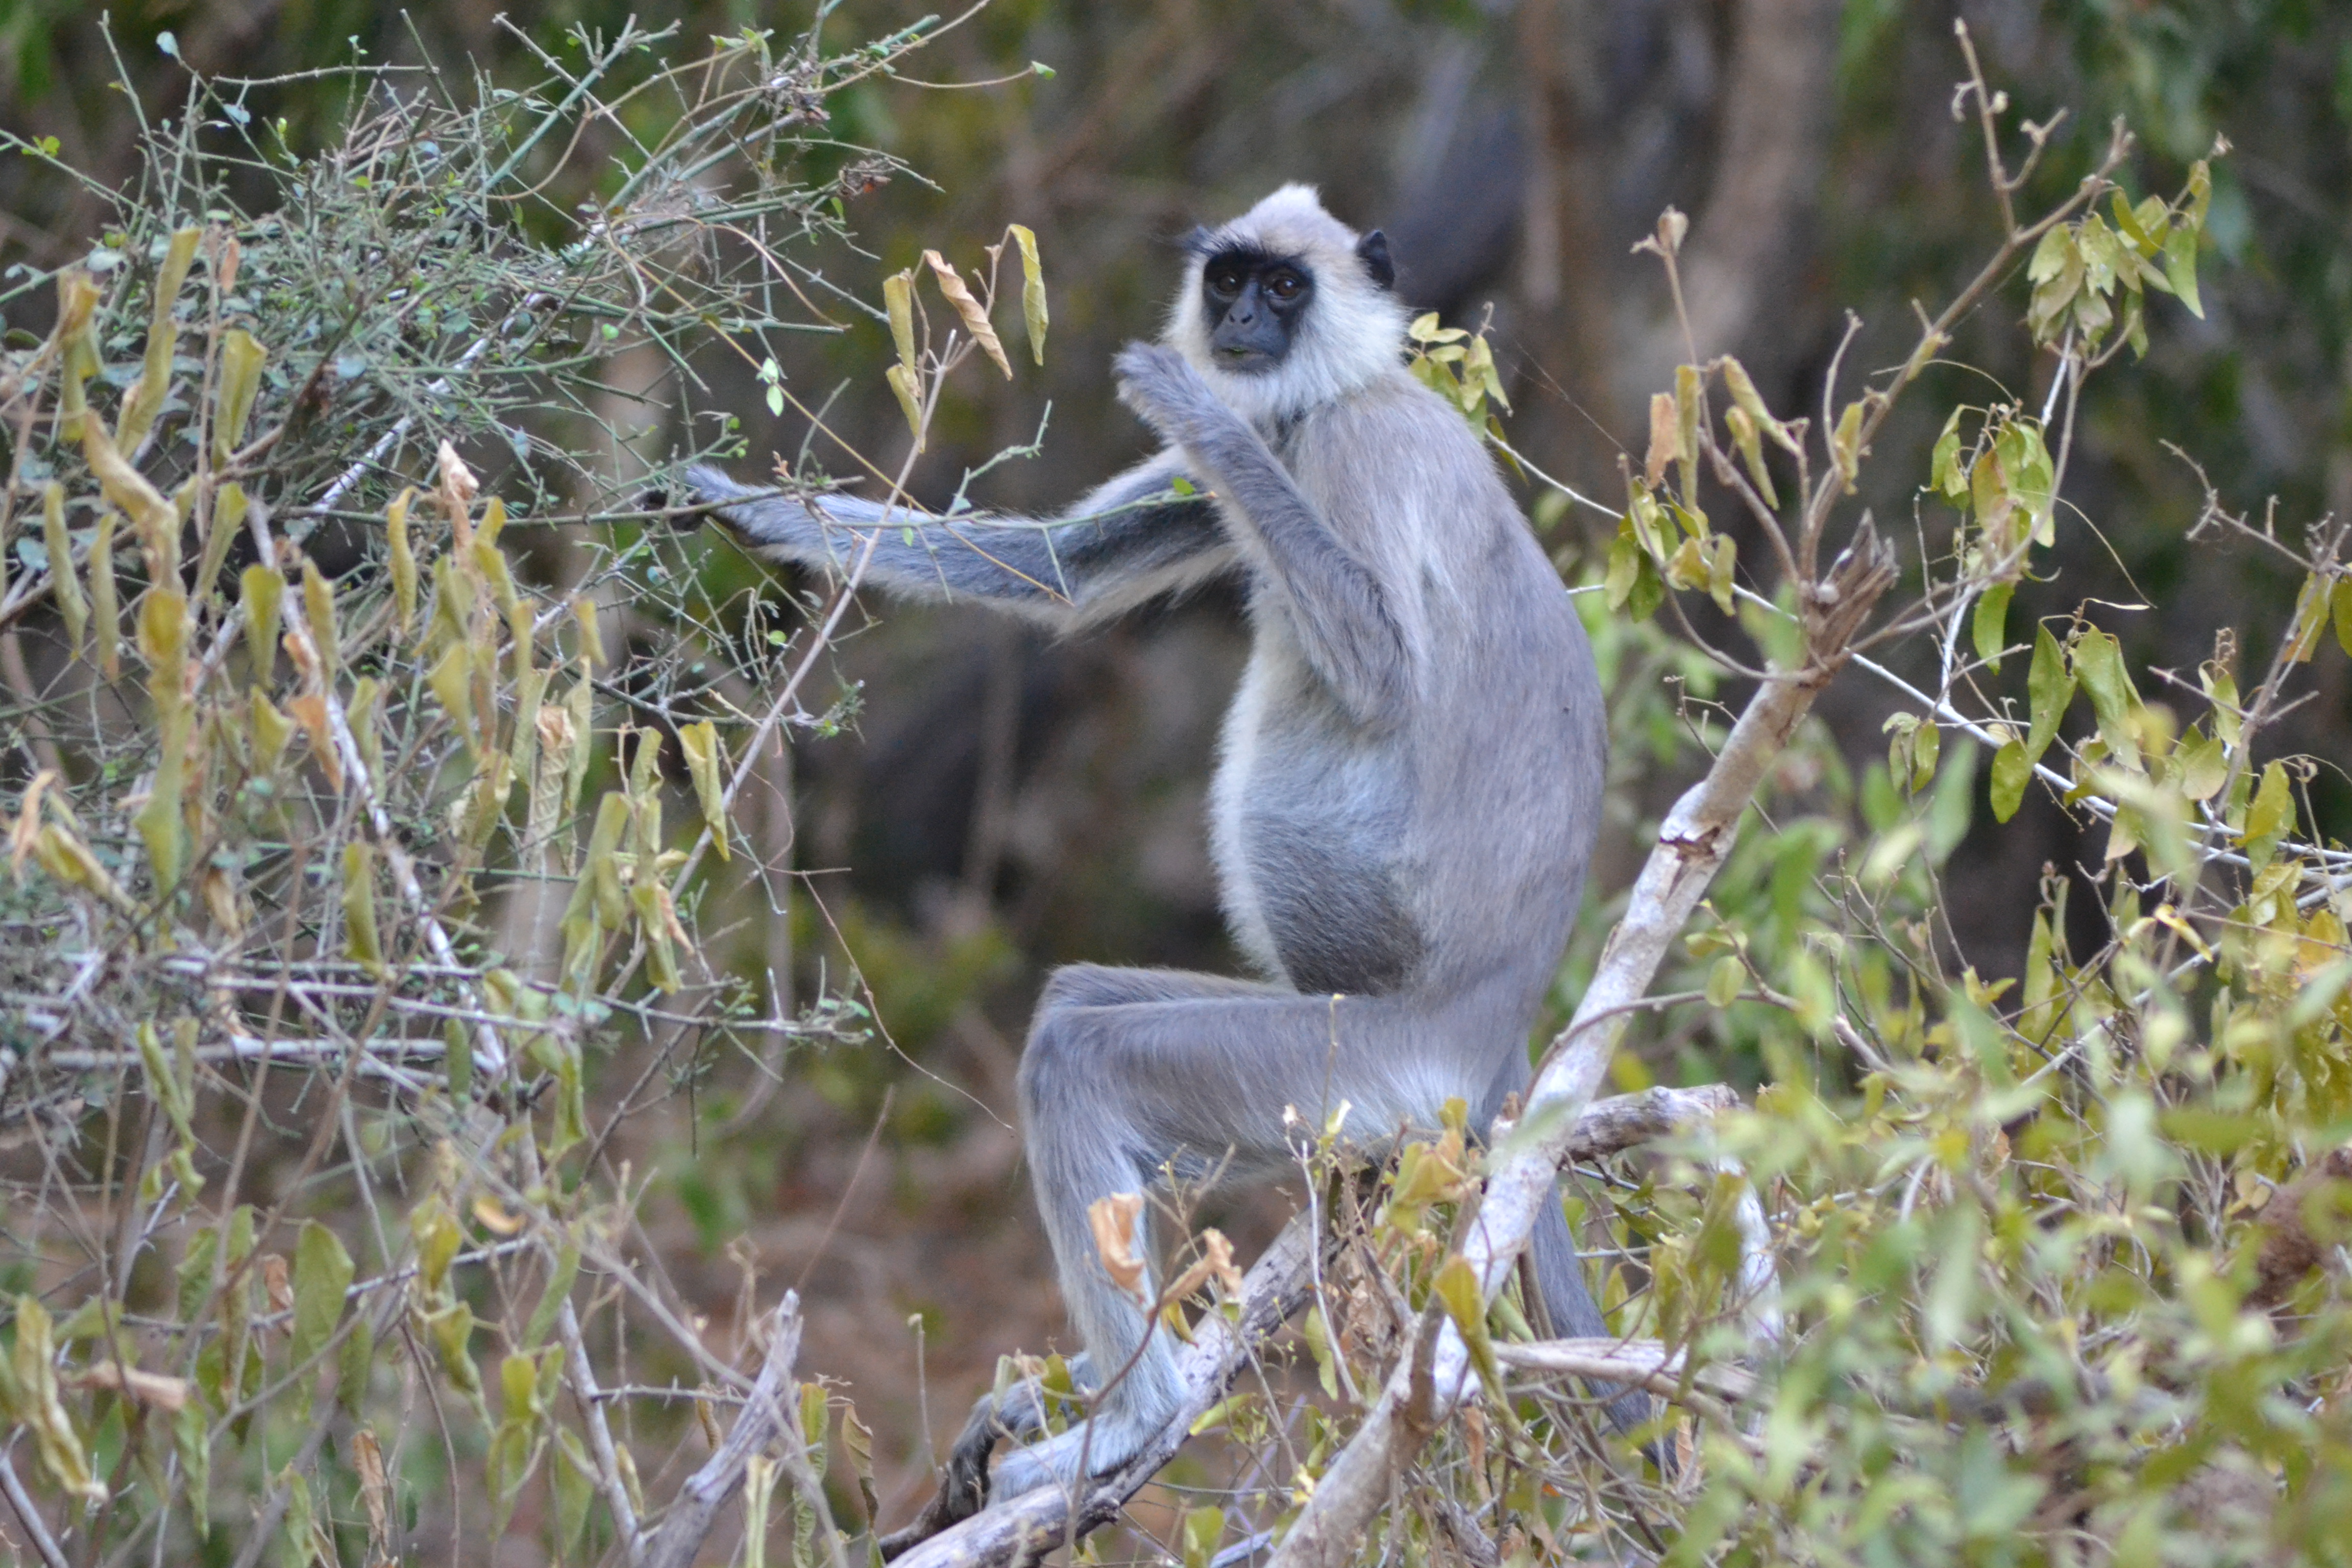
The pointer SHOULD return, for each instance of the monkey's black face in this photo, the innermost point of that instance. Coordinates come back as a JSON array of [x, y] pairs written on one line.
[[1255, 303]]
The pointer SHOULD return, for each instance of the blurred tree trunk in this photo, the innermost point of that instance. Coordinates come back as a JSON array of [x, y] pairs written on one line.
[[1750, 246]]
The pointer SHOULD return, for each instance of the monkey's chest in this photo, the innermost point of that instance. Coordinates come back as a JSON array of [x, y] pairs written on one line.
[[1311, 831]]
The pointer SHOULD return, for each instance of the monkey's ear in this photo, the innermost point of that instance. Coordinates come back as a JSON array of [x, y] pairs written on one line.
[[1372, 250]]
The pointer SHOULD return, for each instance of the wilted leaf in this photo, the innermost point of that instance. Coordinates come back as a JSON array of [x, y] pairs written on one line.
[[105, 608], [1033, 291], [975, 319], [403, 559], [1845, 445], [705, 764], [899, 301], [241, 361], [1114, 1221], [64, 585], [1664, 433]]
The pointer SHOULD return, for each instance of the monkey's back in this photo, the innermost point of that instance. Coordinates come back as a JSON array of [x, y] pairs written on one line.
[[1439, 850]]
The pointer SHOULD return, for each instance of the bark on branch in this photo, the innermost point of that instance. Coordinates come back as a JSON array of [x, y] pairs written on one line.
[[771, 1415]]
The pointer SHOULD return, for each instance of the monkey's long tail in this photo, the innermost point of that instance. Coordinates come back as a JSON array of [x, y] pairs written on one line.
[[1560, 1276]]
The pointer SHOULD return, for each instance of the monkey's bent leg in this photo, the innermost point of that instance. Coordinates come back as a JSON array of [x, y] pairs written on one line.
[[1190, 1070]]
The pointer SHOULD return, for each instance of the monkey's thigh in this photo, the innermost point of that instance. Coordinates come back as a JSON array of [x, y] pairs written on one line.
[[1207, 1069]]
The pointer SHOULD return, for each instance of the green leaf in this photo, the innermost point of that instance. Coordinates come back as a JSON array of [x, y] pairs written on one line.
[[2340, 602], [2204, 767], [2269, 817], [1927, 743], [192, 1443], [2048, 256], [1204, 1531], [2011, 772], [1724, 982], [322, 1273], [1317, 1334], [356, 1366], [1457, 1287], [2099, 665], [2049, 688], [1944, 471], [2180, 268], [1991, 622]]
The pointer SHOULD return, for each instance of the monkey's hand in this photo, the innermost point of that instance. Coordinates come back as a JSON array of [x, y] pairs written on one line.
[[1161, 385]]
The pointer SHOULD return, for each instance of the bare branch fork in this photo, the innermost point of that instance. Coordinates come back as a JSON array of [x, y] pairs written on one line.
[[771, 1415]]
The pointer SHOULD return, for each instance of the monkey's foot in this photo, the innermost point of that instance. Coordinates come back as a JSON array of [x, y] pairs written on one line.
[[964, 1483]]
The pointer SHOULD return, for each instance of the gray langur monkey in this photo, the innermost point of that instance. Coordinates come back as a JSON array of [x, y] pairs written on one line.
[[1408, 790]]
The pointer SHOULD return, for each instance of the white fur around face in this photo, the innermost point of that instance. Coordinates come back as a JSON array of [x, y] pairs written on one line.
[[1353, 332]]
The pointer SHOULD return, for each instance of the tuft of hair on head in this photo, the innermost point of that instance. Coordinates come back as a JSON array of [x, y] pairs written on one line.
[[1353, 333]]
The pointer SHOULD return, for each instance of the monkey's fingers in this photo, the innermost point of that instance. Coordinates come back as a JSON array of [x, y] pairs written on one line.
[[1158, 382]]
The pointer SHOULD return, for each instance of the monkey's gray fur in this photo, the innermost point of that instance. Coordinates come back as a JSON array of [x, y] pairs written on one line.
[[1410, 781]]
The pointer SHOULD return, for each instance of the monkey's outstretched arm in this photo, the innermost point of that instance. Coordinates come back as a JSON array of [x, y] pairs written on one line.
[[1132, 540], [1347, 625]]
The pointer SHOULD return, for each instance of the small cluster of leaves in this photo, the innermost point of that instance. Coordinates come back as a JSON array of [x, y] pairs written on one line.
[[2081, 270], [1459, 366]]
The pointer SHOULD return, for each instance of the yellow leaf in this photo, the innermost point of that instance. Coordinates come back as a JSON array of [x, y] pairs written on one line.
[[271, 731], [902, 387], [705, 763], [403, 559], [899, 298], [591, 641], [63, 584], [265, 590], [106, 613], [1033, 291], [1845, 445], [318, 609], [360, 938], [241, 381]]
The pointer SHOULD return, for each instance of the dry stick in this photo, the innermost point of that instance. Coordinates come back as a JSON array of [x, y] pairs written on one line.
[[29, 1516], [1693, 841], [767, 1417], [600, 1433], [1022, 1528]]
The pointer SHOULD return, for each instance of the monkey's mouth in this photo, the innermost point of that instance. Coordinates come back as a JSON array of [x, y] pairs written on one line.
[[1248, 361]]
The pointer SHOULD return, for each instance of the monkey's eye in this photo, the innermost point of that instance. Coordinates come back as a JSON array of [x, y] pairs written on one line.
[[1226, 283], [1286, 285]]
